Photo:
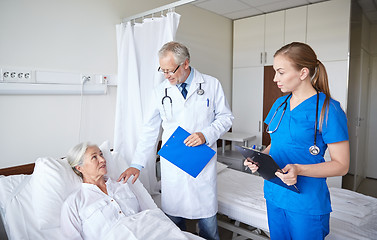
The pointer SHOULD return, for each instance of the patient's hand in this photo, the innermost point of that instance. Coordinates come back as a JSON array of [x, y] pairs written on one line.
[[251, 164], [128, 173]]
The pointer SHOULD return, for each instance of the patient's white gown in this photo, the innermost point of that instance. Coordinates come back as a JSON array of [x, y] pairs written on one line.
[[125, 213]]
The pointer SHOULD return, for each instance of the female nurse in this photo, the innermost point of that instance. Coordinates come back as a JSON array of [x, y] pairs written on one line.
[[302, 125]]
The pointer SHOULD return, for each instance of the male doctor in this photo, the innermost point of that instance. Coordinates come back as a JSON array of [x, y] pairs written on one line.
[[197, 103]]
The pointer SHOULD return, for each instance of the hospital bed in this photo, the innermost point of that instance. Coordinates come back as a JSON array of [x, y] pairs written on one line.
[[30, 203], [240, 197]]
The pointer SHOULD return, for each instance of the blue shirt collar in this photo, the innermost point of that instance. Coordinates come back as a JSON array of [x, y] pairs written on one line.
[[188, 80]]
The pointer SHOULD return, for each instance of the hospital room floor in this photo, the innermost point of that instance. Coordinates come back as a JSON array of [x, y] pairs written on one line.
[[224, 233]]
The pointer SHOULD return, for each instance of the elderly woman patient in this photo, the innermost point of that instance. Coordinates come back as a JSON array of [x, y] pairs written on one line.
[[100, 209]]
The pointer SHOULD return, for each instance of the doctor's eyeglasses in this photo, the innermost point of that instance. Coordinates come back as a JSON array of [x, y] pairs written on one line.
[[160, 70]]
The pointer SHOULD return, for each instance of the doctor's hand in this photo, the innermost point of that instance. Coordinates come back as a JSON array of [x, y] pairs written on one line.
[[288, 174], [253, 166], [128, 173], [195, 139]]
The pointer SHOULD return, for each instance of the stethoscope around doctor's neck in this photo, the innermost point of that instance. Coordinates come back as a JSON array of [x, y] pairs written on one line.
[[200, 91], [314, 150]]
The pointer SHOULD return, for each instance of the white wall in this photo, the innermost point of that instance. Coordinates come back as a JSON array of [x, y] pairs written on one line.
[[209, 37], [79, 37]]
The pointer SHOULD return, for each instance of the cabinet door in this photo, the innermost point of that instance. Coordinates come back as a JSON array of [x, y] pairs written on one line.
[[295, 25], [247, 101], [248, 41], [274, 35], [328, 29]]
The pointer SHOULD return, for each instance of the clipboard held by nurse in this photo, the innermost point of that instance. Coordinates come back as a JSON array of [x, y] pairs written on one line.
[[266, 166]]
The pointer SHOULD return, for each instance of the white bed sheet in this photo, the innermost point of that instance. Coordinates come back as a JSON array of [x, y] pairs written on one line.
[[18, 213], [240, 197]]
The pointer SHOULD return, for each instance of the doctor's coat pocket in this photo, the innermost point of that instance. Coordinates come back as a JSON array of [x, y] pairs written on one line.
[[204, 112]]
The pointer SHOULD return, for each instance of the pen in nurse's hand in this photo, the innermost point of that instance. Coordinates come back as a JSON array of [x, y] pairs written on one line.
[[247, 166], [251, 160], [294, 185]]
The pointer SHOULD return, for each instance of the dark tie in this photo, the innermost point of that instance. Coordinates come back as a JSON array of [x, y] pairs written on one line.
[[184, 90]]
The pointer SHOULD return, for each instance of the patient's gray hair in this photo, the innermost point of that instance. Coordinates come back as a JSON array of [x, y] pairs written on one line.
[[75, 156], [180, 51]]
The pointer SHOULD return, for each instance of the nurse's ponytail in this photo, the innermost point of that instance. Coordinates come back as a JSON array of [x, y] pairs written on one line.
[[303, 56], [320, 82]]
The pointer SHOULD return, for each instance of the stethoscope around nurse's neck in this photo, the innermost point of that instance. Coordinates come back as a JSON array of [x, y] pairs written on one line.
[[314, 150]]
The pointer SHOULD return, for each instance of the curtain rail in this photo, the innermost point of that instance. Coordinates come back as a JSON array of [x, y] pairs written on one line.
[[159, 9]]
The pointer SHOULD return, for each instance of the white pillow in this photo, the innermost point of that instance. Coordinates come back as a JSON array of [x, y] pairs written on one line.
[[9, 188], [53, 180], [111, 161], [19, 215]]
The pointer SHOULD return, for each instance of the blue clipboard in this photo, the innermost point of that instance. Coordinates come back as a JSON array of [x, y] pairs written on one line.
[[192, 160]]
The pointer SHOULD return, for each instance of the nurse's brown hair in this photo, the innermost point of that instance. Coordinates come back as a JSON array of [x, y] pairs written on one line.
[[302, 56]]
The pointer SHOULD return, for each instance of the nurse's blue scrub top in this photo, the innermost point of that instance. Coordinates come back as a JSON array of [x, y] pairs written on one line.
[[290, 144]]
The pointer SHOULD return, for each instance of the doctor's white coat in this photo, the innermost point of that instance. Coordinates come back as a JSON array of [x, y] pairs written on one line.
[[181, 194]]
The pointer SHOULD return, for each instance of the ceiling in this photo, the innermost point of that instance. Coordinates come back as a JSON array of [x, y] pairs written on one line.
[[236, 9]]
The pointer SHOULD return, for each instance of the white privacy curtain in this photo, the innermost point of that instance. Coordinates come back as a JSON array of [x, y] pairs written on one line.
[[138, 46]]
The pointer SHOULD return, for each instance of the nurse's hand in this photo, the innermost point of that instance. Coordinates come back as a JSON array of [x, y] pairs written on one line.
[[253, 166], [128, 173], [288, 174], [195, 139]]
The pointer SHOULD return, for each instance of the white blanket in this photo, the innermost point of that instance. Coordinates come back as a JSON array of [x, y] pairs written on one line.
[[352, 207], [18, 207], [148, 224]]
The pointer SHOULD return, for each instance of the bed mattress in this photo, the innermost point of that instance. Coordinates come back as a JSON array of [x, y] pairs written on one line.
[[240, 197]]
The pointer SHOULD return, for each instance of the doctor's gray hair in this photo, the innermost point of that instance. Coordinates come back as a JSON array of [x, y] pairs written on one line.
[[75, 156], [180, 51]]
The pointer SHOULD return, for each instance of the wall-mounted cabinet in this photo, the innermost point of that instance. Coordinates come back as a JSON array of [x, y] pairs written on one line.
[[295, 25], [257, 38], [273, 36], [328, 29], [248, 42], [247, 98]]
